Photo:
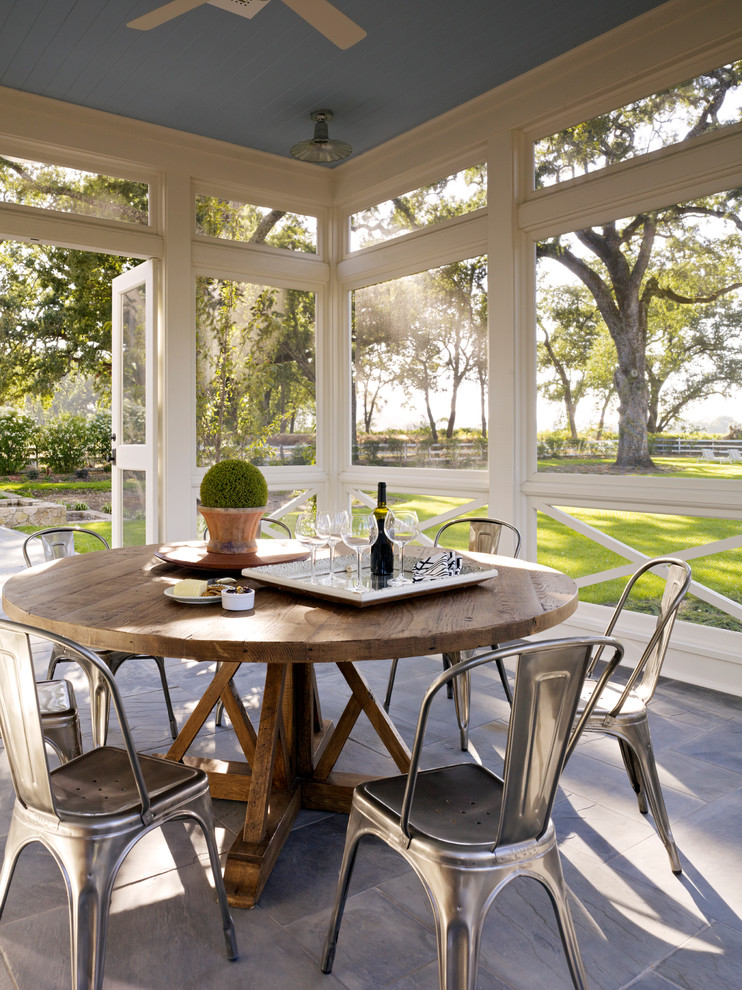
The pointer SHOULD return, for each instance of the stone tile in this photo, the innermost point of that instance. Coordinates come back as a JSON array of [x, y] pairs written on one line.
[[426, 978], [651, 981], [621, 928], [602, 832], [720, 746], [304, 879], [709, 845], [712, 959], [608, 785], [165, 933], [379, 944]]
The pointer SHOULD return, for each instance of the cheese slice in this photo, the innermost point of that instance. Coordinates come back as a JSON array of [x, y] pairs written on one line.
[[190, 588]]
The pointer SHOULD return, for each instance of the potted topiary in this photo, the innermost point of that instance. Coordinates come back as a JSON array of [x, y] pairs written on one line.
[[233, 499]]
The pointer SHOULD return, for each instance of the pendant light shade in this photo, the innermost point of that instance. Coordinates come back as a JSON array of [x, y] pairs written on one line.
[[321, 148]]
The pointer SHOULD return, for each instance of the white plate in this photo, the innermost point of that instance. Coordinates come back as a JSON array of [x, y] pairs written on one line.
[[201, 600]]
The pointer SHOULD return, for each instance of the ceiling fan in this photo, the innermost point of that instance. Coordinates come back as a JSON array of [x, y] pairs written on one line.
[[328, 20]]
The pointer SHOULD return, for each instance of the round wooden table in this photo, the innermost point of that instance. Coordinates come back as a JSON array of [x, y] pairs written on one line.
[[115, 600]]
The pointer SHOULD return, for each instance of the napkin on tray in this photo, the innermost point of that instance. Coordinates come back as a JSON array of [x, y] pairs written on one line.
[[445, 563]]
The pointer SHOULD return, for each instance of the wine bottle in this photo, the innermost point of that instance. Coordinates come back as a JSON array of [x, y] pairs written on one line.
[[382, 551]]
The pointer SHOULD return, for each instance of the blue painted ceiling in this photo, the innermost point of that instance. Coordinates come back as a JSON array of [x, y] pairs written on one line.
[[254, 81]]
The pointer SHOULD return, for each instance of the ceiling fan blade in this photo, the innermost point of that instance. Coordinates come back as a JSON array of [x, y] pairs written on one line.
[[165, 13], [328, 20]]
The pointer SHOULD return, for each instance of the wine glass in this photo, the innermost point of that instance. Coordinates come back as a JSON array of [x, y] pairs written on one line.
[[359, 532], [307, 534], [329, 527], [401, 526]]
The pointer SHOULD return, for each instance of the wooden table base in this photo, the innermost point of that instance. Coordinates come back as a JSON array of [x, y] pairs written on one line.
[[289, 762]]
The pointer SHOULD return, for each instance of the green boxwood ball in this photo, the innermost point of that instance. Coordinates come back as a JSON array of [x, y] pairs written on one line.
[[234, 484]]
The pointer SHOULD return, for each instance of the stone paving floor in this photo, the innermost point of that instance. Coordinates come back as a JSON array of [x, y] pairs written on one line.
[[639, 926]]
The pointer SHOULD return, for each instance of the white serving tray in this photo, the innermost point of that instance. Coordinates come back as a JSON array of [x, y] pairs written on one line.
[[296, 576]]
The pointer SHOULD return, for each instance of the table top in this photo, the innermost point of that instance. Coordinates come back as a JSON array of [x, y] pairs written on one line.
[[114, 599]]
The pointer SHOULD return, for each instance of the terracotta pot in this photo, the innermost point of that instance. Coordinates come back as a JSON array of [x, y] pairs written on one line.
[[232, 530]]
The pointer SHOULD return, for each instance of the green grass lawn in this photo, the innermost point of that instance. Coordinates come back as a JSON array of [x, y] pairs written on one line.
[[26, 488], [667, 467]]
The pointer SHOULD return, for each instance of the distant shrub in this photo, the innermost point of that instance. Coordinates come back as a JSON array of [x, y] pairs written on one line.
[[63, 443], [70, 443], [99, 436], [17, 434]]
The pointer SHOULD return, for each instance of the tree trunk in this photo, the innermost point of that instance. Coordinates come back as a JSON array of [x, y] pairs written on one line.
[[601, 421], [452, 414], [633, 414]]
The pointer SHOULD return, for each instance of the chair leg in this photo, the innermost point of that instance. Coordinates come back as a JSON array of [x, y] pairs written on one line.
[[219, 712], [160, 661], [460, 900], [353, 836], [115, 662], [447, 662], [550, 876], [89, 887], [636, 736], [634, 774], [461, 695], [459, 936], [504, 678], [206, 821], [390, 684], [14, 845]]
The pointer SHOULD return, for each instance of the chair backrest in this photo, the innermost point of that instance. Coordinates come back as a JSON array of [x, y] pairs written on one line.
[[20, 721], [58, 541], [542, 731], [484, 533], [646, 673], [269, 521]]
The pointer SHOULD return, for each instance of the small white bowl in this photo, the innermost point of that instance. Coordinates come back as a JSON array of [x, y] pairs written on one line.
[[234, 601]]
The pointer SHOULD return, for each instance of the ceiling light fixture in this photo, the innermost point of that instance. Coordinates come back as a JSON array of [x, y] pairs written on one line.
[[321, 148]]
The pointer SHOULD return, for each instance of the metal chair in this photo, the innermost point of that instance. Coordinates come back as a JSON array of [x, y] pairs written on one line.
[[89, 813], [484, 537], [467, 832], [268, 521], [57, 542], [621, 710]]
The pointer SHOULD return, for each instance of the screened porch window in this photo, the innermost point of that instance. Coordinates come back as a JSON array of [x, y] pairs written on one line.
[[68, 190], [255, 373], [420, 369], [706, 103], [639, 325], [453, 196], [236, 221]]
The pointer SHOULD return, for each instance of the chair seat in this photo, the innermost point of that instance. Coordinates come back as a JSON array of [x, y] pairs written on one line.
[[609, 699], [458, 805], [101, 783]]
